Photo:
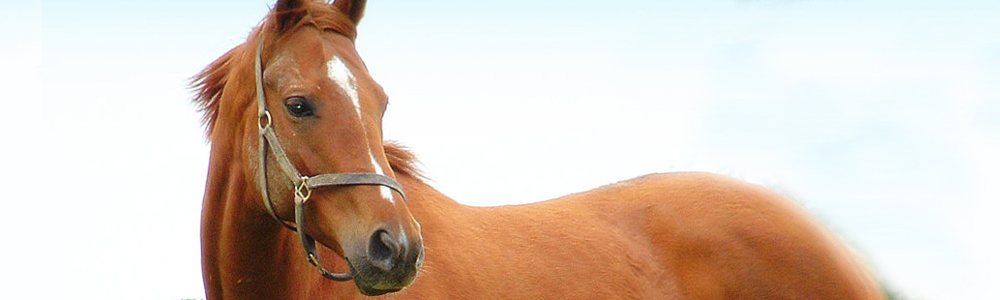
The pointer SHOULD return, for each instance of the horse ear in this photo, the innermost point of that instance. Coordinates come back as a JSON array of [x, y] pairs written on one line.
[[287, 13], [352, 8]]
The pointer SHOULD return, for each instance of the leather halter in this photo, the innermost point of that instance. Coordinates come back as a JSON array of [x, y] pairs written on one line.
[[303, 184]]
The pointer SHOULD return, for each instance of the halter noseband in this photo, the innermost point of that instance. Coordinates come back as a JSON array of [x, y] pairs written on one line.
[[303, 184]]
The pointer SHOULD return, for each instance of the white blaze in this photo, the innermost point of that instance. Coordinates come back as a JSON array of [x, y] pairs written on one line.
[[386, 193], [338, 71]]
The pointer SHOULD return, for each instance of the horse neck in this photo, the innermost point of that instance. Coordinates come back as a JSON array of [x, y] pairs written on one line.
[[245, 253]]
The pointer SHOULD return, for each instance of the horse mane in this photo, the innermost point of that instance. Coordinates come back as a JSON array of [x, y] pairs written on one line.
[[402, 160], [236, 67]]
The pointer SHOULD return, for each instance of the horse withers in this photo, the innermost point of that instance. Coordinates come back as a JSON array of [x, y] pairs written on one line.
[[298, 160]]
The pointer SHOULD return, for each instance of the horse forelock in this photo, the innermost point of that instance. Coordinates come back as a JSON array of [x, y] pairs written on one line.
[[211, 82], [234, 70]]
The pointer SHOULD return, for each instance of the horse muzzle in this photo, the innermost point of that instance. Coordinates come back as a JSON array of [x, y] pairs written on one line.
[[388, 265]]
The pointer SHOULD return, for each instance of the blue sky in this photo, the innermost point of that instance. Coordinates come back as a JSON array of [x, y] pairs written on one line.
[[880, 117]]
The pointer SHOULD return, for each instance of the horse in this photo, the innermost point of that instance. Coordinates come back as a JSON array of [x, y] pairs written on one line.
[[298, 159]]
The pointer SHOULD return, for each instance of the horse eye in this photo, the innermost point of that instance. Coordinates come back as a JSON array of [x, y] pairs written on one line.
[[298, 107]]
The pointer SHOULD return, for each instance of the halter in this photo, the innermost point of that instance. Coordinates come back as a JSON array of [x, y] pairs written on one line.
[[303, 184]]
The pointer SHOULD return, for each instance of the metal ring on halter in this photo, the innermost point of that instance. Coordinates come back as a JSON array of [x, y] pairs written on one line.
[[265, 115], [303, 186]]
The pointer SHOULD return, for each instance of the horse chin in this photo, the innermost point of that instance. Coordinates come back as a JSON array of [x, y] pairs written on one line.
[[375, 292], [373, 282]]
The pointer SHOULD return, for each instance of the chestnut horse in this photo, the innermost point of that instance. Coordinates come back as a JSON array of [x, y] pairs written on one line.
[[297, 158]]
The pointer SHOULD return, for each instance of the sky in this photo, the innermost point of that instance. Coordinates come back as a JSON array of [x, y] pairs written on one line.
[[881, 117]]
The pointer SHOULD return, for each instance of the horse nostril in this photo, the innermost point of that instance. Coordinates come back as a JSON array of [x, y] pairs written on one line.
[[382, 250]]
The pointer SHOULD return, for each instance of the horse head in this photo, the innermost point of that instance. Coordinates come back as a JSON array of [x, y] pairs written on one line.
[[312, 115]]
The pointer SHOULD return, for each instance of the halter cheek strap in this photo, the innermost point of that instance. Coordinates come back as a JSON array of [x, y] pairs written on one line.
[[303, 185]]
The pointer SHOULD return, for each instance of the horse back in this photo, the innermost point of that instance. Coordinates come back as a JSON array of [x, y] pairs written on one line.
[[661, 236], [720, 238]]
